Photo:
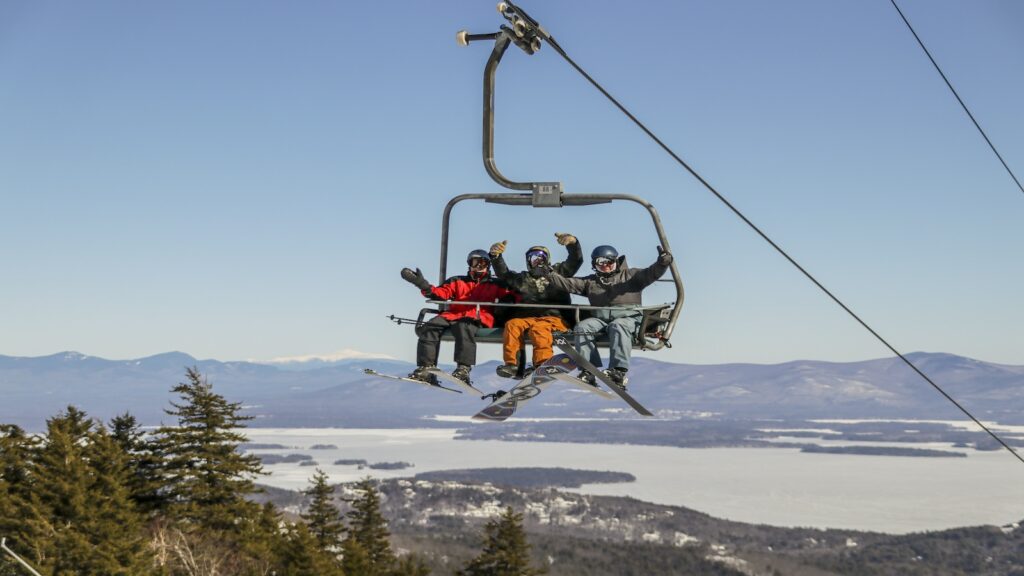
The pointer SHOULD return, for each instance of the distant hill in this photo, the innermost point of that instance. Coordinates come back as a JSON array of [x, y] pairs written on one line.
[[34, 389]]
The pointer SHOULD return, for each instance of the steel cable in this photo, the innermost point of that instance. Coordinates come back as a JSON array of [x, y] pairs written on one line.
[[958, 99], [557, 48]]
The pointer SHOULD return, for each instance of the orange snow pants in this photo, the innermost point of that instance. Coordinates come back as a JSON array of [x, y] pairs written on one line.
[[538, 329]]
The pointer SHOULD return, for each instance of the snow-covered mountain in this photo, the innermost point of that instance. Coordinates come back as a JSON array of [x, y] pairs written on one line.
[[340, 394], [314, 361]]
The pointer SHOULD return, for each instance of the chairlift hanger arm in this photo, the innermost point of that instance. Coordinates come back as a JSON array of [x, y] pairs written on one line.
[[526, 34]]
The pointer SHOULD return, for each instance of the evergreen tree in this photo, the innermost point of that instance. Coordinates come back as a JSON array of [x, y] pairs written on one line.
[[206, 477], [83, 499], [355, 561], [144, 463], [114, 525], [368, 532], [261, 541], [323, 517], [410, 565], [302, 555], [20, 520], [16, 449], [62, 488], [505, 552]]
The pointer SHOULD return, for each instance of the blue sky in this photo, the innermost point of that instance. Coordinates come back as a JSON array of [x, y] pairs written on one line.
[[244, 180]]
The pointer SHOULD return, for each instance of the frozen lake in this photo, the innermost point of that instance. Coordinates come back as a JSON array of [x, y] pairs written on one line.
[[778, 486]]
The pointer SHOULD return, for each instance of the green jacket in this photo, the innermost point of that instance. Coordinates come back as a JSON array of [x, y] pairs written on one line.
[[536, 287]]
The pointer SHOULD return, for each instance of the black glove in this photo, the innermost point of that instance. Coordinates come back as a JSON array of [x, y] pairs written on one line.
[[415, 278], [664, 258]]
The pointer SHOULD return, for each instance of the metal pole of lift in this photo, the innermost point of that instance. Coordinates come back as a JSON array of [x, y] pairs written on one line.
[[3, 546]]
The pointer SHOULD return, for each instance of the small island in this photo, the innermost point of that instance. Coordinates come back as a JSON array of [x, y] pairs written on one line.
[[528, 477], [389, 466], [269, 459], [258, 446], [882, 451], [350, 462]]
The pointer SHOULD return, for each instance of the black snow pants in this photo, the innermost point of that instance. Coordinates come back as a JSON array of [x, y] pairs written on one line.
[[429, 344]]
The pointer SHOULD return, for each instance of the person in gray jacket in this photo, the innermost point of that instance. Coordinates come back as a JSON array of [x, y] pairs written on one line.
[[613, 284]]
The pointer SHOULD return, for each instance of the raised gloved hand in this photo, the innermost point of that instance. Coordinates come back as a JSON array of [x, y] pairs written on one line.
[[564, 238], [497, 248], [415, 278], [664, 258]]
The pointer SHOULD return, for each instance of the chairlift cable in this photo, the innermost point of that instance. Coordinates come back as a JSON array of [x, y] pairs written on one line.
[[554, 44], [958, 99]]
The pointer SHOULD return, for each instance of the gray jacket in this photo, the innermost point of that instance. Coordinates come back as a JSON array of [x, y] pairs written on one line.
[[622, 288]]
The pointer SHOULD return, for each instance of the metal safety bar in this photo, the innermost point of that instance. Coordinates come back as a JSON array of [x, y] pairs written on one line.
[[478, 304], [651, 332], [3, 546]]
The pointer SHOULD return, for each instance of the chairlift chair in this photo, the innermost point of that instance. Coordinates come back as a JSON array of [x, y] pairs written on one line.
[[658, 320]]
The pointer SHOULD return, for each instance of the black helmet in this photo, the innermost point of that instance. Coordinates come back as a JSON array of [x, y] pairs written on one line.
[[478, 254], [604, 252], [537, 251]]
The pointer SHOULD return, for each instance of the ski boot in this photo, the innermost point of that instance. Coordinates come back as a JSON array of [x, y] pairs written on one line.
[[462, 373], [422, 373], [506, 370], [587, 378], [617, 376]]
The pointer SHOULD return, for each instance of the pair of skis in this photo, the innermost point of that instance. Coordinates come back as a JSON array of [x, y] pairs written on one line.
[[558, 368], [439, 376]]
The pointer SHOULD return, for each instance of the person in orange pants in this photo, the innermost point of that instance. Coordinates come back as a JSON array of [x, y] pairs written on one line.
[[537, 322], [539, 329]]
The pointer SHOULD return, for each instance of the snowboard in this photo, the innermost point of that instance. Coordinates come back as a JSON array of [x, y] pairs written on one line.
[[505, 404], [569, 350]]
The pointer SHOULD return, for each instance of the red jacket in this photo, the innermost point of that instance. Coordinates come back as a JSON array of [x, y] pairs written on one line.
[[465, 288]]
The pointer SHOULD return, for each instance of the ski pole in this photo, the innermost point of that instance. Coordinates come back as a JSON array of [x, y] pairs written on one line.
[[399, 320]]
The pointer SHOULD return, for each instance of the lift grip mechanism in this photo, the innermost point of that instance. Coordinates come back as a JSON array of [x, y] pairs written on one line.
[[525, 33]]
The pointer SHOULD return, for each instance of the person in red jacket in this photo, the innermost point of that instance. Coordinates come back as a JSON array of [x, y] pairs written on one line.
[[463, 319]]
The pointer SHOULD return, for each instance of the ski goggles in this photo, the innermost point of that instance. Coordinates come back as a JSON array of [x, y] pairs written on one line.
[[479, 263], [604, 263], [536, 258]]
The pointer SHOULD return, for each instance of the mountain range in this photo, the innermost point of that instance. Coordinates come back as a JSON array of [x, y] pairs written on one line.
[[340, 394]]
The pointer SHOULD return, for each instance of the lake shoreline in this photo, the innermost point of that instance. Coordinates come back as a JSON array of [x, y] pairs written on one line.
[[779, 487]]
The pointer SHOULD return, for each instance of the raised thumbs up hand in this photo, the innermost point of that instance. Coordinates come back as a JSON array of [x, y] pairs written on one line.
[[564, 238], [497, 248], [664, 258]]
